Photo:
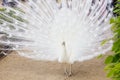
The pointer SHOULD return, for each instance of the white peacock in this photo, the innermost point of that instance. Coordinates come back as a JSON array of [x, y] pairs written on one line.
[[64, 30]]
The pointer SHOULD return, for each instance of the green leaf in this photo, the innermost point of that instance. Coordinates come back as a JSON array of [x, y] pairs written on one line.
[[112, 20], [111, 73], [117, 10], [109, 59], [104, 42], [2, 9], [100, 56]]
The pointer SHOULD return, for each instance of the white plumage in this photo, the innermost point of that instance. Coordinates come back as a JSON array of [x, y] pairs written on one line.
[[66, 30]]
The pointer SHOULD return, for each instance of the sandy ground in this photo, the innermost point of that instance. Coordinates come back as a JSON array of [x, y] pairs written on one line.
[[15, 67]]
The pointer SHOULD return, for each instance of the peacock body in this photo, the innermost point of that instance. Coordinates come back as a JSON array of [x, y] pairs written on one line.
[[64, 30]]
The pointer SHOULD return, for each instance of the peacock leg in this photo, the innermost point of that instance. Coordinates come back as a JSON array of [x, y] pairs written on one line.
[[70, 70], [65, 70], [68, 73]]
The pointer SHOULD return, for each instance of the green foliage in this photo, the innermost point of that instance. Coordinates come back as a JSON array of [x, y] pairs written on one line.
[[109, 59], [100, 56], [4, 17], [9, 16], [117, 8], [113, 61], [105, 41]]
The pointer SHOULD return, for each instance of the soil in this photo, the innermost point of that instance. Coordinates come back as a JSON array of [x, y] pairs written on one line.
[[15, 67]]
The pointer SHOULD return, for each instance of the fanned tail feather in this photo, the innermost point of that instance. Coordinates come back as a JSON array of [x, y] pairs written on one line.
[[42, 26]]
